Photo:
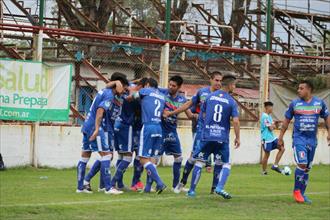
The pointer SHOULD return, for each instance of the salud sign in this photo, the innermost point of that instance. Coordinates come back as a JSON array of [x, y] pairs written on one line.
[[33, 91]]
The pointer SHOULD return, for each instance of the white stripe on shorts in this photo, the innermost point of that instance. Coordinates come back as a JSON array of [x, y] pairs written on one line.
[[141, 142], [99, 143], [130, 138]]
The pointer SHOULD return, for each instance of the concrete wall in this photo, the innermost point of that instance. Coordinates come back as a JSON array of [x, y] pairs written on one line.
[[59, 146]]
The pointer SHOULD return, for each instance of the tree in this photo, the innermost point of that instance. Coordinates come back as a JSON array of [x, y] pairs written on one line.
[[237, 19], [97, 11]]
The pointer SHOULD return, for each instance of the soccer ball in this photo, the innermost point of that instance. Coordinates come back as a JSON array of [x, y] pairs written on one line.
[[286, 171]]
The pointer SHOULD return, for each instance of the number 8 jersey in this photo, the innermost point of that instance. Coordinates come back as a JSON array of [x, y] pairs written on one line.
[[152, 105], [217, 110]]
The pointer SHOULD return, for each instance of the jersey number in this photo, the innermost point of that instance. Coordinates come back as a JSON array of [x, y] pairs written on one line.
[[157, 112], [217, 113]]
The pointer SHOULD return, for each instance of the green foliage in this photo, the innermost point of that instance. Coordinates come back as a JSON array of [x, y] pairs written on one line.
[[30, 193], [319, 82]]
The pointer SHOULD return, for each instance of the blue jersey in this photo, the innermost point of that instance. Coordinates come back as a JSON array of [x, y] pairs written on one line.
[[152, 105], [267, 135], [128, 111], [113, 112], [217, 110], [306, 116], [198, 99], [171, 104], [104, 100]]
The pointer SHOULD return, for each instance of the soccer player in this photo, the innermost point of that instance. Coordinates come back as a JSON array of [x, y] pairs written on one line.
[[171, 142], [268, 140], [217, 110], [152, 105], [197, 101], [306, 111], [95, 136], [123, 132]]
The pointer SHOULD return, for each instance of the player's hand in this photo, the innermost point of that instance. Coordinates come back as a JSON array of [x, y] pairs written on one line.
[[237, 143], [166, 114], [94, 135], [280, 142], [129, 98]]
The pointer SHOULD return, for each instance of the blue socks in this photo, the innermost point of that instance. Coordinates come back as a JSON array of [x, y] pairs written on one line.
[[149, 182], [152, 172], [196, 175], [186, 170], [105, 171], [93, 171], [81, 169], [306, 177], [138, 169], [121, 168], [176, 171], [216, 174], [299, 179], [224, 174]]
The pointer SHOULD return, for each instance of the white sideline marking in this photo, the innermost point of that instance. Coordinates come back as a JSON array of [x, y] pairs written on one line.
[[156, 198]]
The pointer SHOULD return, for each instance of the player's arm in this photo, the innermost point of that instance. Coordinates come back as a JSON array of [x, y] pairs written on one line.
[[189, 114], [325, 114], [98, 121], [182, 108], [237, 132], [117, 84], [327, 125], [288, 116]]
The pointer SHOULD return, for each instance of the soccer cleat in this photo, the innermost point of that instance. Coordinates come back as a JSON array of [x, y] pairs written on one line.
[[101, 190], [178, 188], [113, 191], [298, 197], [191, 194], [264, 173], [277, 169], [161, 189], [83, 191], [212, 190], [139, 185], [124, 189], [224, 194], [307, 200], [88, 188]]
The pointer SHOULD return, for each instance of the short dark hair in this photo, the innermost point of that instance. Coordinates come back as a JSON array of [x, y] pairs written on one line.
[[121, 78], [215, 73], [227, 79], [177, 79], [142, 82], [308, 83], [116, 75], [152, 83], [268, 103]]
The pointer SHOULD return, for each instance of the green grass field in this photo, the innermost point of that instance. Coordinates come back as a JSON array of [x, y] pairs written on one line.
[[26, 193]]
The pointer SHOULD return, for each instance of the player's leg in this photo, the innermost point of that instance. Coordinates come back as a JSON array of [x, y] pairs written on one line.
[[124, 136], [264, 160], [81, 167], [201, 156], [310, 158], [150, 141], [208, 164], [216, 173], [278, 157], [223, 152], [138, 168], [300, 154]]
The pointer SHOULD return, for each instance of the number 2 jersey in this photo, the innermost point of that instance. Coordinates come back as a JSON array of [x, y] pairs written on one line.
[[152, 105], [306, 116], [217, 110]]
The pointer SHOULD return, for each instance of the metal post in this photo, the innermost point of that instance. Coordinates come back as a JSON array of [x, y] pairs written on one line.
[[264, 87], [168, 20], [1, 19], [37, 56], [164, 65], [269, 24]]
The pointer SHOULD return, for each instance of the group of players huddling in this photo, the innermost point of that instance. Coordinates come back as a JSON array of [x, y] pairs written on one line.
[[140, 118]]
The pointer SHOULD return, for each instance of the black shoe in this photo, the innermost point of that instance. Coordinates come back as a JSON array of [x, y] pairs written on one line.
[[264, 173], [212, 190], [277, 169], [2, 164], [87, 188], [161, 189]]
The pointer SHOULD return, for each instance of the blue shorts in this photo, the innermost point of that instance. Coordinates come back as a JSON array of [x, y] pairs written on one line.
[[197, 141], [219, 149], [304, 154], [100, 144], [171, 144], [123, 137], [111, 140], [150, 140], [269, 146]]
